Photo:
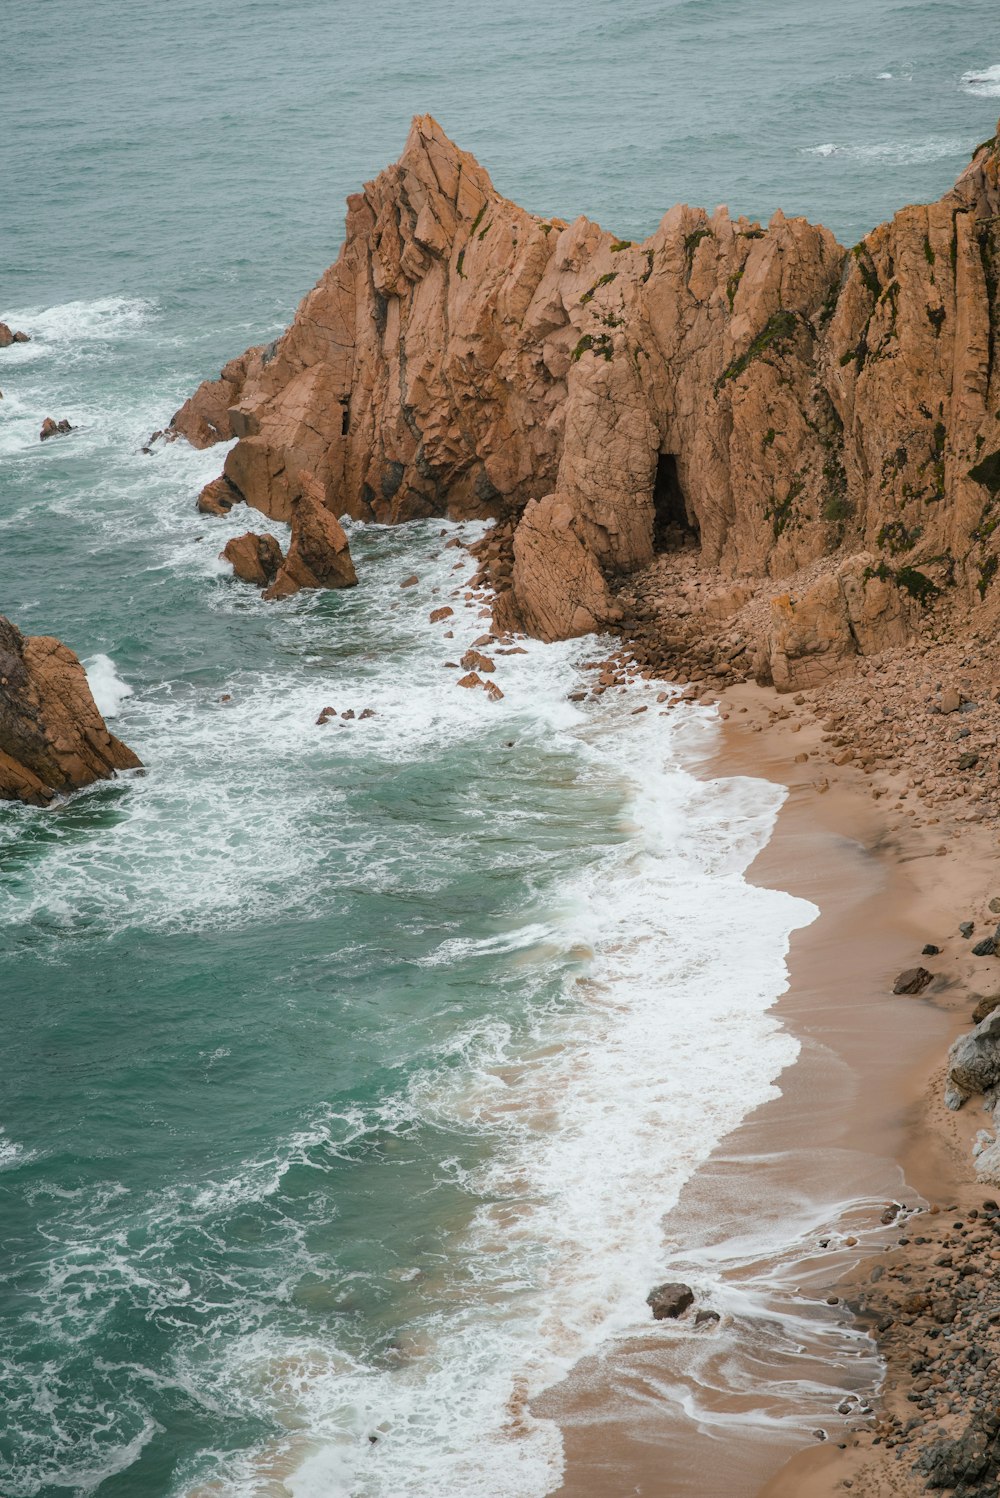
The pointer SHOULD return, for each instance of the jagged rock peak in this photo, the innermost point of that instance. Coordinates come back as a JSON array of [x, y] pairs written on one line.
[[758, 390]]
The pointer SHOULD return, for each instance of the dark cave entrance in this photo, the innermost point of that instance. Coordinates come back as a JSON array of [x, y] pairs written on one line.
[[671, 526]]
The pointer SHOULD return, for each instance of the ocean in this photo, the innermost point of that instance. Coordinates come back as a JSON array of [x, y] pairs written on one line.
[[349, 1070]]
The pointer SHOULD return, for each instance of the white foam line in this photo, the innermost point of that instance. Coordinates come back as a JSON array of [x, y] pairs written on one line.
[[596, 1120]]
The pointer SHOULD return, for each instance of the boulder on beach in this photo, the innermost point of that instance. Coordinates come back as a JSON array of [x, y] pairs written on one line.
[[912, 980], [974, 1062], [670, 1300], [52, 737], [985, 1004]]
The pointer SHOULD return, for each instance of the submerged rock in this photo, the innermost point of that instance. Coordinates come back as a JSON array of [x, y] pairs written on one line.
[[52, 737]]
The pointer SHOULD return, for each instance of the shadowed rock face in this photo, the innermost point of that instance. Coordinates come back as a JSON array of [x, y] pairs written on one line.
[[52, 737], [761, 389]]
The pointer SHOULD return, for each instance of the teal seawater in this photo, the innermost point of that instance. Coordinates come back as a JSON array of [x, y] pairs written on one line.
[[347, 1071]]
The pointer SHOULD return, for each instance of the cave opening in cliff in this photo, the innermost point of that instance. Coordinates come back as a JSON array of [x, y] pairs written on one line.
[[672, 526]]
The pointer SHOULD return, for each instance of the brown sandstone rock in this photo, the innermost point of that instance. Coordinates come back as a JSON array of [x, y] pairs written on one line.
[[558, 586], [52, 737], [985, 1004], [318, 556], [255, 559], [218, 497], [844, 613], [437, 615], [8, 336], [755, 390], [52, 428], [205, 419], [473, 661]]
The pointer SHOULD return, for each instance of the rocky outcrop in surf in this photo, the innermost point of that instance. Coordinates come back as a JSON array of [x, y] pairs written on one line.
[[318, 555], [52, 737], [253, 558], [756, 391]]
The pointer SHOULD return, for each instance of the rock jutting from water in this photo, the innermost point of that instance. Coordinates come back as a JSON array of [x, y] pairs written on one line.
[[52, 736], [8, 336], [253, 558], [760, 392]]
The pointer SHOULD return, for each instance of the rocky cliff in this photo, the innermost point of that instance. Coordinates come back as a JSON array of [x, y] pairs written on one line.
[[52, 737], [783, 404]]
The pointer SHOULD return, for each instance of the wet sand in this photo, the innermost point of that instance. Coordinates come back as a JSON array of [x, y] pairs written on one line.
[[715, 1411]]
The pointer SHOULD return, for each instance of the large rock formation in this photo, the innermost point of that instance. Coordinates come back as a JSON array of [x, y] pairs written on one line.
[[52, 737], [762, 390]]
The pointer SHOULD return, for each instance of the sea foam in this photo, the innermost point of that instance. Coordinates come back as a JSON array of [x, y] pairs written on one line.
[[893, 153], [983, 82], [108, 689]]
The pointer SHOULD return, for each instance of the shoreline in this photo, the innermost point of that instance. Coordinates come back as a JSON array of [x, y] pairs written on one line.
[[853, 1132]]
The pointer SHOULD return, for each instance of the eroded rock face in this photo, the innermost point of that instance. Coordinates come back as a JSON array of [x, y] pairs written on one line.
[[206, 420], [254, 558], [850, 611], [756, 387], [318, 556], [218, 497], [52, 737], [559, 586]]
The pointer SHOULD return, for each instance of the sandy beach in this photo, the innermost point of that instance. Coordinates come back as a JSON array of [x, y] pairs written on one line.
[[789, 1209]]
